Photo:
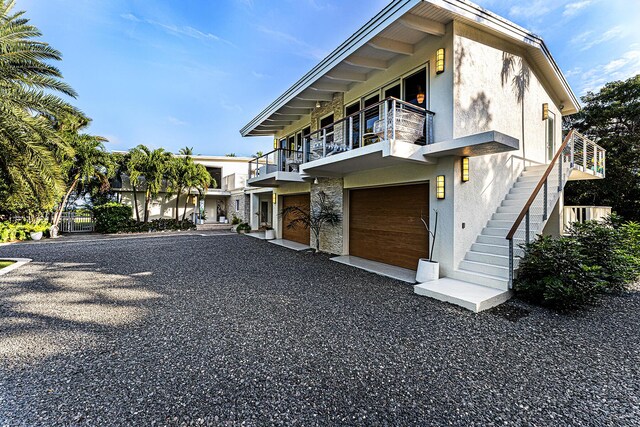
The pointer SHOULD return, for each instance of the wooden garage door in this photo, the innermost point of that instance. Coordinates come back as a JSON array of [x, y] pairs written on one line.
[[299, 233], [385, 226]]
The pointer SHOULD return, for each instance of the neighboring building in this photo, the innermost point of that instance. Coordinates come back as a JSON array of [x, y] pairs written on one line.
[[228, 198], [431, 105]]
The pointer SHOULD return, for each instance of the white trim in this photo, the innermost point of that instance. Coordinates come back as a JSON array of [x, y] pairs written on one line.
[[17, 263]]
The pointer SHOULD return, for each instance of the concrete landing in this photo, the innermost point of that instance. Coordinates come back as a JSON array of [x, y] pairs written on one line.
[[468, 295], [290, 245], [398, 273], [256, 235], [213, 227]]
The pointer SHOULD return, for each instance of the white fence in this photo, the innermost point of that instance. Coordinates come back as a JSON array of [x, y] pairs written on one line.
[[72, 222], [581, 214]]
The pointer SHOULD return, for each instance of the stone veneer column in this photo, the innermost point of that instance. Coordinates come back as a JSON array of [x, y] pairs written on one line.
[[331, 238]]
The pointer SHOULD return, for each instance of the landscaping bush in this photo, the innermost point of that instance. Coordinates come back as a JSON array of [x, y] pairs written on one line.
[[112, 217], [243, 227], [14, 231], [235, 220], [630, 241], [601, 244], [554, 273]]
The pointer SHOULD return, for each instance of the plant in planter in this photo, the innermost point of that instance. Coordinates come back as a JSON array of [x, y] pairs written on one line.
[[243, 228], [323, 212], [428, 269], [269, 233], [37, 230]]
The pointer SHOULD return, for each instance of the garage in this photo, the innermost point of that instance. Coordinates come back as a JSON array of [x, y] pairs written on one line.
[[298, 233], [385, 225]]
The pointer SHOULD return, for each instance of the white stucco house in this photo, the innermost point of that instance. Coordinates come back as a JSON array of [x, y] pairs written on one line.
[[230, 196], [432, 105]]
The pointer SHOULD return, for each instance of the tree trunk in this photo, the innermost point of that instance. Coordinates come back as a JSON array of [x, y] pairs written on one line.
[[135, 202], [147, 202], [184, 214], [177, 203], [56, 218]]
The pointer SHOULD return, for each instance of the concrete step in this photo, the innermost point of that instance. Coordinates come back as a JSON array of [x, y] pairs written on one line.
[[493, 231], [464, 294], [514, 202], [531, 178], [518, 189], [478, 267], [541, 168], [504, 217], [518, 196], [213, 226], [488, 258], [492, 240], [481, 279], [500, 223], [491, 249], [531, 184], [511, 207]]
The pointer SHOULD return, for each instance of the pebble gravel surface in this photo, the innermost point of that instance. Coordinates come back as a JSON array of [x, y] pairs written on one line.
[[226, 330]]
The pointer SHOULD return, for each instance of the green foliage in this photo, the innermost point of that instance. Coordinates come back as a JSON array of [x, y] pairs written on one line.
[[162, 224], [553, 273], [323, 211], [569, 272], [112, 217], [14, 231], [611, 117], [243, 227], [31, 176], [235, 220]]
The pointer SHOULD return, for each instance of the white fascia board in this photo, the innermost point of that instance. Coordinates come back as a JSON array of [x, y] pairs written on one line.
[[382, 20]]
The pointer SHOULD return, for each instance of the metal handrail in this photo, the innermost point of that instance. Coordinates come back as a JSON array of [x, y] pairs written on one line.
[[279, 155]]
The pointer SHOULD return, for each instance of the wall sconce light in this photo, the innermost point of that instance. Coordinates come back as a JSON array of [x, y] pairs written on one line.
[[545, 111], [315, 180], [275, 198], [440, 187], [318, 105], [440, 61], [420, 95], [275, 143], [465, 169]]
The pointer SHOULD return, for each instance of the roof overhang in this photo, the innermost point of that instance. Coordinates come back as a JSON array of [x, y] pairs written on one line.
[[390, 34]]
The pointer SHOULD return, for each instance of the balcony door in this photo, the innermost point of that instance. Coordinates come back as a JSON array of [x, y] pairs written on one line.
[[353, 126], [326, 122], [551, 136], [371, 115]]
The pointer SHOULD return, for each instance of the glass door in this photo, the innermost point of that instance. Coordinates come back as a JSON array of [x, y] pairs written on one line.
[[551, 136], [371, 116], [353, 131]]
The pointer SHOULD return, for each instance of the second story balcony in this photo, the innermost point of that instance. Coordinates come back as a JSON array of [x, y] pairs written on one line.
[[382, 134]]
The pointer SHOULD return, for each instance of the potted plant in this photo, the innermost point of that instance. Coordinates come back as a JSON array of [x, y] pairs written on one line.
[[269, 233], [323, 211], [36, 230], [234, 222], [243, 228], [428, 269]]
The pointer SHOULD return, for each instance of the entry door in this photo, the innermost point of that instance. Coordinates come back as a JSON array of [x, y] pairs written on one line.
[[264, 212], [298, 233], [551, 136], [385, 225]]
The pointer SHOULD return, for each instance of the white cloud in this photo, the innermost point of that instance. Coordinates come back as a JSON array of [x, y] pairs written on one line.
[[534, 9], [590, 42], [571, 9], [621, 68], [307, 49], [258, 75], [176, 30], [176, 121]]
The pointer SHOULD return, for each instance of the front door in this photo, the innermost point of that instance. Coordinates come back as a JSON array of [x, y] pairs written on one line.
[[551, 136], [264, 212]]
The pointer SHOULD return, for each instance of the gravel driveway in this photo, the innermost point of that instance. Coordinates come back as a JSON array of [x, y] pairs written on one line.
[[228, 330]]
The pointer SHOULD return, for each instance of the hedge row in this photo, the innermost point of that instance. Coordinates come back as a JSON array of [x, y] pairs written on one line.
[[114, 217]]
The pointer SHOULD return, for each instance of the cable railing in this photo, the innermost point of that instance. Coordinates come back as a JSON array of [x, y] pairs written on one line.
[[278, 160], [577, 152], [390, 119]]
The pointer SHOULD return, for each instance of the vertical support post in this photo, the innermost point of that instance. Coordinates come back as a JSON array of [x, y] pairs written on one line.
[[386, 120], [546, 192], [393, 121], [560, 183], [527, 226], [304, 150], [324, 142], [350, 130], [510, 263], [584, 156]]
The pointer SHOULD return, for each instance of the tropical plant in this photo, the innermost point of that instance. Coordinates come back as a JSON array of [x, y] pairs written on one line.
[[90, 162], [198, 178], [243, 227], [323, 211], [433, 233], [151, 164], [30, 175]]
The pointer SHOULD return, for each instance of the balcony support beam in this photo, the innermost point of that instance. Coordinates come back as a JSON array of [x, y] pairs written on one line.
[[347, 76], [422, 24], [370, 63], [393, 46], [329, 87]]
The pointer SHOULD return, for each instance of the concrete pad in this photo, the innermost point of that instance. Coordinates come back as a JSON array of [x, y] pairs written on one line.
[[257, 235], [398, 273], [290, 245], [468, 295]]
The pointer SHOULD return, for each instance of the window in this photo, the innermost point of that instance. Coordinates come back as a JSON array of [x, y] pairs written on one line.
[[216, 174], [355, 129], [416, 84], [326, 122], [551, 136], [370, 117], [237, 205]]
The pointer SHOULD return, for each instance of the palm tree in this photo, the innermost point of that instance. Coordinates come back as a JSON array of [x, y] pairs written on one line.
[[186, 151], [177, 177], [197, 178], [29, 144], [153, 165]]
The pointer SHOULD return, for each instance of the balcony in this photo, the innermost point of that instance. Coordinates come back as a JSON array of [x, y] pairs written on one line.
[[382, 134]]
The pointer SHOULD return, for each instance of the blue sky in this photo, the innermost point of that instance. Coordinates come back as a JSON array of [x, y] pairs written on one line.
[[175, 73]]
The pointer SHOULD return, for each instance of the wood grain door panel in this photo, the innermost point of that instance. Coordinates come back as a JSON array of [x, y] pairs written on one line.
[[385, 225], [298, 233]]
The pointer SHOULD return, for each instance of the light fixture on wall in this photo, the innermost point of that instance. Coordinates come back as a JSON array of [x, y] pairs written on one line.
[[275, 198], [440, 61], [275, 143], [420, 95], [545, 111], [440, 187], [315, 180], [318, 105], [465, 169]]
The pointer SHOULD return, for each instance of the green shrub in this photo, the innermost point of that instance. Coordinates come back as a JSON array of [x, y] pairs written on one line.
[[602, 245], [112, 217], [235, 220], [554, 273], [630, 242], [12, 231], [243, 227]]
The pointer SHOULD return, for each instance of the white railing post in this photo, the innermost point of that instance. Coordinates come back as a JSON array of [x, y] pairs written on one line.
[[304, 149], [324, 142], [386, 120], [584, 156], [393, 121], [350, 130]]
